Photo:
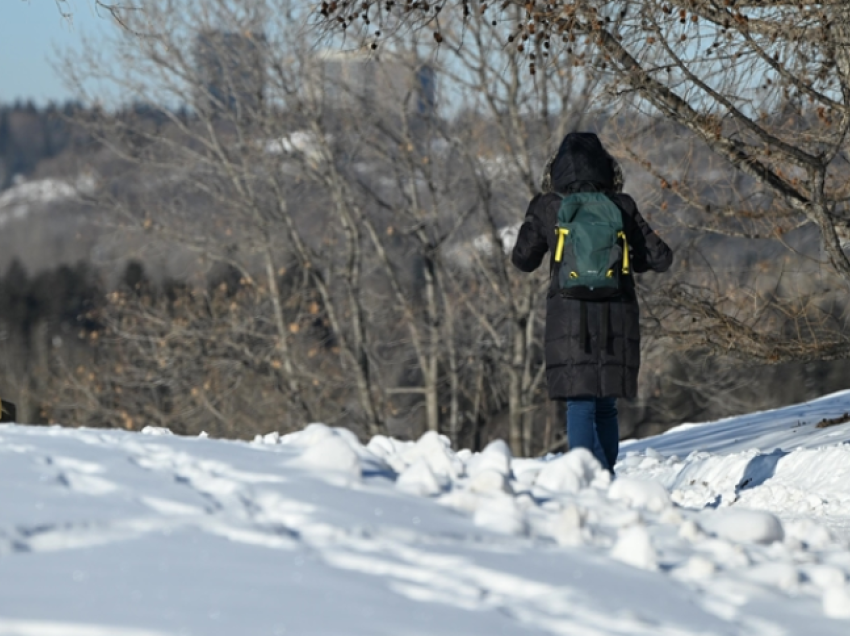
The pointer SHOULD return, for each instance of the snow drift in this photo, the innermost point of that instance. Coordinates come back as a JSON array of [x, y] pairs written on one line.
[[735, 527]]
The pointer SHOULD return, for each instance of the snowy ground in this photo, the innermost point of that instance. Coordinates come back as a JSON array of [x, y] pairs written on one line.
[[738, 527]]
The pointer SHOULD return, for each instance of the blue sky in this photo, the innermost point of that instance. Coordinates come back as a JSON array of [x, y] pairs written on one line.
[[31, 32]]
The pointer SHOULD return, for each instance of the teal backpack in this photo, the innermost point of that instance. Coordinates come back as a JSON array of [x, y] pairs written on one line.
[[592, 251]]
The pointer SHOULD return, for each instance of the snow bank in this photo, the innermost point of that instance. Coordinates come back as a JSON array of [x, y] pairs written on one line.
[[704, 519], [695, 535]]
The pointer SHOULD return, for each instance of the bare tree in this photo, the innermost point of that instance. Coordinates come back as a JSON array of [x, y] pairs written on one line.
[[211, 181], [472, 179], [66, 9], [762, 86]]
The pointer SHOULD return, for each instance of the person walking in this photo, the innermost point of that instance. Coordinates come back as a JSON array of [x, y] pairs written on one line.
[[592, 339]]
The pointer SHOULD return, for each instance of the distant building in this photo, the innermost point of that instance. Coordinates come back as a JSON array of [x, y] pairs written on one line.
[[231, 75], [390, 84]]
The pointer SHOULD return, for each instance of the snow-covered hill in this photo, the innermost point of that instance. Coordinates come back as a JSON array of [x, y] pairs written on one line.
[[17, 202], [738, 527]]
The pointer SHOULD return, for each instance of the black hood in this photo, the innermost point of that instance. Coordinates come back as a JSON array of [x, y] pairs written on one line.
[[581, 157]]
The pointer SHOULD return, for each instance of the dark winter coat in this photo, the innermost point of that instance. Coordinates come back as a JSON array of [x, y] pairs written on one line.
[[592, 350]]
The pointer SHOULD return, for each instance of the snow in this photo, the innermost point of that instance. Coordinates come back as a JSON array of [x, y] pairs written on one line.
[[569, 473], [740, 524], [634, 546], [736, 527], [304, 142], [506, 236], [836, 602], [332, 454], [639, 493], [418, 479], [16, 202]]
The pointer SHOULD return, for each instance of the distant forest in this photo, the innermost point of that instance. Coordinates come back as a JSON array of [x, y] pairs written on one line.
[[54, 306], [31, 135]]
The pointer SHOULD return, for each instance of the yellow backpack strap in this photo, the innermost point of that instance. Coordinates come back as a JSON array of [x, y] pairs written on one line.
[[559, 251], [622, 235]]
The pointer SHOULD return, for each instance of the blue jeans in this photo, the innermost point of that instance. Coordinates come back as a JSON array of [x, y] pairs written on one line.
[[592, 424]]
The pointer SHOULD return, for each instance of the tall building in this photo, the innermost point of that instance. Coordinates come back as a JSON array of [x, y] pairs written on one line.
[[231, 71], [391, 84]]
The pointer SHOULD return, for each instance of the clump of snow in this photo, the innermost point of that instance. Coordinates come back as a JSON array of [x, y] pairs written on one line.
[[308, 436], [726, 554], [671, 516], [419, 479], [303, 142], [836, 602], [690, 531], [490, 481], [495, 457], [508, 236], [435, 450], [429, 467], [824, 576], [525, 471], [461, 500], [697, 567], [345, 453], [389, 450], [384, 446], [570, 473], [500, 514], [809, 533], [327, 451], [783, 575], [156, 430], [742, 525], [634, 546], [639, 493], [568, 527], [269, 438], [464, 455]]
